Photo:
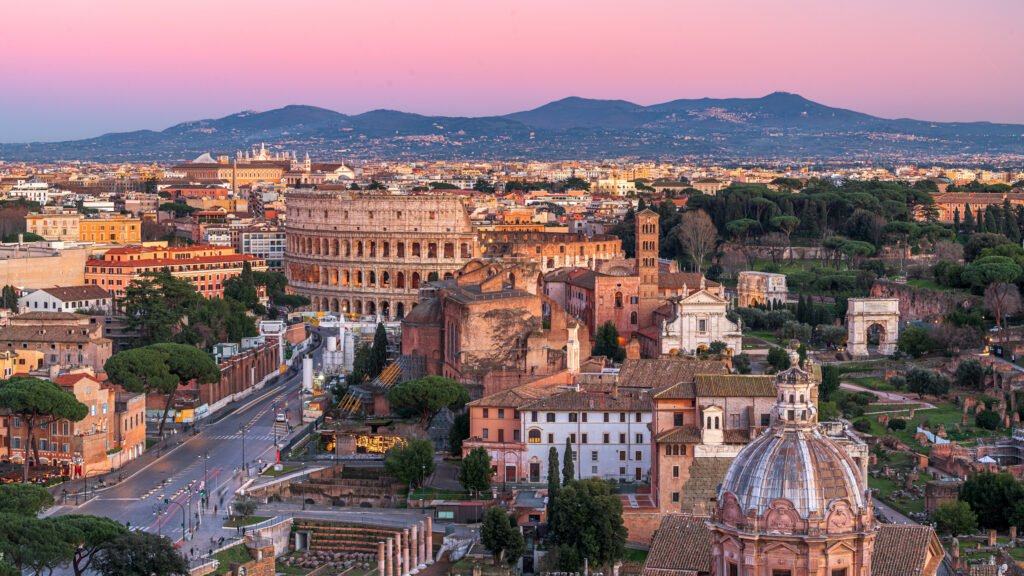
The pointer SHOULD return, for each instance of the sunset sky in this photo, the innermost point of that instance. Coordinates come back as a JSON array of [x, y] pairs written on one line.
[[78, 68]]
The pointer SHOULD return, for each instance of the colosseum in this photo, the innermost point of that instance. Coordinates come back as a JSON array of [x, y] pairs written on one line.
[[367, 253]]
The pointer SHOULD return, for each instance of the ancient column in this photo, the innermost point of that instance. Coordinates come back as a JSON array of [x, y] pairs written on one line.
[[414, 550], [405, 551], [398, 555], [380, 558], [390, 567], [430, 540], [423, 545]]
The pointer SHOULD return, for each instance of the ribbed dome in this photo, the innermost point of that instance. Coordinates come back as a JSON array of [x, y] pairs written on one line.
[[798, 464]]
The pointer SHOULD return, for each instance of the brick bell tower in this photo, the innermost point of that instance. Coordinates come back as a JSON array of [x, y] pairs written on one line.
[[647, 264]]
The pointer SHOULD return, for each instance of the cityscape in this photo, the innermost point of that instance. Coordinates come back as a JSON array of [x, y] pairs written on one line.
[[511, 289]]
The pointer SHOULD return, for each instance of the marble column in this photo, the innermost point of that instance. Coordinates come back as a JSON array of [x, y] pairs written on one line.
[[405, 552], [423, 545], [414, 550], [390, 567], [398, 554], [380, 558], [430, 540]]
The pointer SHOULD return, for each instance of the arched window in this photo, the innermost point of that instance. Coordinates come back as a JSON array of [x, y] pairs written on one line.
[[385, 280], [386, 250], [533, 436], [618, 299], [359, 249], [465, 250], [373, 278], [791, 399], [449, 250], [632, 317], [415, 280], [400, 250], [716, 422], [416, 249], [400, 280]]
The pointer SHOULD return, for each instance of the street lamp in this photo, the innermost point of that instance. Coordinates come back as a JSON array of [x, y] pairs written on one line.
[[243, 451]]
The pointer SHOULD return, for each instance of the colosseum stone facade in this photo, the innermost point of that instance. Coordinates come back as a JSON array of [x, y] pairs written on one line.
[[367, 253]]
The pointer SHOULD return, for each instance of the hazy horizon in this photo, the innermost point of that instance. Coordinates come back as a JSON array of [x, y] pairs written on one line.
[[82, 70]]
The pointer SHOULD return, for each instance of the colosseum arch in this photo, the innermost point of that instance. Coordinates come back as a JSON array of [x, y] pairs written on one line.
[[866, 315]]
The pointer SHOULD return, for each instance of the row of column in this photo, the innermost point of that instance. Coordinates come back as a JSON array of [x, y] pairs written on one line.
[[408, 551]]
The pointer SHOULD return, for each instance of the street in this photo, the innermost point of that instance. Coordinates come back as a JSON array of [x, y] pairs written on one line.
[[212, 459]]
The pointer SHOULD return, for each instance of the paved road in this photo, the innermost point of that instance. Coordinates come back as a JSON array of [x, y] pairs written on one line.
[[891, 515], [214, 456]]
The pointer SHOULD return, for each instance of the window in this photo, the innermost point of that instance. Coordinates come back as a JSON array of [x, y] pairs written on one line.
[[487, 413], [607, 438], [593, 455], [551, 438], [533, 416], [605, 416], [593, 469], [486, 433], [622, 416], [734, 569], [572, 438], [501, 412], [766, 420], [584, 416], [668, 449], [638, 416], [639, 438], [638, 456], [445, 514], [702, 326], [782, 573], [675, 496], [839, 572], [675, 471], [584, 438], [622, 456], [622, 438], [551, 416], [515, 435], [572, 416]]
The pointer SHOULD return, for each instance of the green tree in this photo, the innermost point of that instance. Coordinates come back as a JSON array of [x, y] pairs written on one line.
[[38, 403], [179, 209], [427, 396], [159, 369], [379, 352], [412, 463], [23, 237], [992, 497], [988, 420], [475, 471], [24, 499], [970, 374], [568, 467], [89, 535], [154, 305], [9, 298], [921, 381], [778, 358], [955, 518], [140, 554], [915, 342], [242, 288], [33, 544], [458, 433], [606, 343], [500, 535], [553, 484], [741, 363], [829, 382], [589, 521]]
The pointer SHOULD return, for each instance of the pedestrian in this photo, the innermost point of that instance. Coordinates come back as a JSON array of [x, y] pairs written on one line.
[[214, 509]]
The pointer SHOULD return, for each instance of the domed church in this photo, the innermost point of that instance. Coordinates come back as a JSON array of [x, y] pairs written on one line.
[[792, 503]]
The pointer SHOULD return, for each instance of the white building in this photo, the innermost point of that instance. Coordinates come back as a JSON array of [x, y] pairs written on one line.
[[66, 299], [610, 434], [760, 288], [32, 191], [264, 241], [696, 321]]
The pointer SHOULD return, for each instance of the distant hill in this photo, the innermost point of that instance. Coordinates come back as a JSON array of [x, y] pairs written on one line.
[[779, 126]]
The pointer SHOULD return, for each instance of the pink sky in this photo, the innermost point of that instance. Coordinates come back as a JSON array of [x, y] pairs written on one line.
[[75, 68]]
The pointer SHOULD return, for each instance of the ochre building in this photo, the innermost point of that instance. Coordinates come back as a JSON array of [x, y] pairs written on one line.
[[552, 249], [368, 253]]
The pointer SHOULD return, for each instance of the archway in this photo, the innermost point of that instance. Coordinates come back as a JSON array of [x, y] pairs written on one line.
[[400, 311], [867, 317]]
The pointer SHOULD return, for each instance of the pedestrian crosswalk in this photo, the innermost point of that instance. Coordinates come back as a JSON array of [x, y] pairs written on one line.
[[248, 436]]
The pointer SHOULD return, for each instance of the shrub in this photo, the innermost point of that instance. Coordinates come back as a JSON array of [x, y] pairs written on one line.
[[862, 425], [988, 420], [897, 424]]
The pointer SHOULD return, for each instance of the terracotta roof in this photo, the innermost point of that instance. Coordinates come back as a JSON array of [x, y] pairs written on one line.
[[658, 372], [681, 547], [677, 391], [69, 293], [734, 385], [689, 279], [571, 400], [514, 397], [48, 316], [901, 550], [701, 489], [61, 333], [680, 435]]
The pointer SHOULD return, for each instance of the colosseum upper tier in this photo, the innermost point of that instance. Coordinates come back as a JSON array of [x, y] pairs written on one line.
[[367, 253]]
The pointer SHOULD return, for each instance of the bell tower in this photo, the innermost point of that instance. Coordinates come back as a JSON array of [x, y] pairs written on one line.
[[647, 264]]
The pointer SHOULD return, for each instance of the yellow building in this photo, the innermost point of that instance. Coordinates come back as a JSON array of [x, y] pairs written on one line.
[[20, 362], [72, 226]]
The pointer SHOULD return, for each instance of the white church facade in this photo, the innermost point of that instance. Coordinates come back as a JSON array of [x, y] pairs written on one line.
[[696, 321]]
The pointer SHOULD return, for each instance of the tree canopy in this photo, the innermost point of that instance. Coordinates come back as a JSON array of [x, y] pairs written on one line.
[[38, 402], [140, 554], [427, 396], [25, 499], [475, 471], [411, 463], [500, 535], [589, 522]]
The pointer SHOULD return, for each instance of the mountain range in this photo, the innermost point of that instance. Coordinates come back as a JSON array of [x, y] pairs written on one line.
[[779, 127]]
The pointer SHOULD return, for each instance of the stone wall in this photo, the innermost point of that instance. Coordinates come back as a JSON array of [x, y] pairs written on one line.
[[641, 525], [922, 303]]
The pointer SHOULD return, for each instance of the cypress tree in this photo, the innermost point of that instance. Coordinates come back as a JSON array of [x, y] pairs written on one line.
[[956, 220], [568, 468], [553, 485], [379, 352], [968, 219]]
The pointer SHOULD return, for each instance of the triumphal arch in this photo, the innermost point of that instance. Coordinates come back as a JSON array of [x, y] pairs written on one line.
[[875, 317]]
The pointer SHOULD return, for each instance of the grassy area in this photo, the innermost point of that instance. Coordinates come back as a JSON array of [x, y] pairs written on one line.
[[871, 383], [635, 555], [946, 414], [890, 407], [234, 555], [766, 335], [284, 470], [925, 283], [886, 487], [245, 521]]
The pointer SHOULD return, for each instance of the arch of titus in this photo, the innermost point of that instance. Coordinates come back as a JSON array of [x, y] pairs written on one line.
[[862, 314]]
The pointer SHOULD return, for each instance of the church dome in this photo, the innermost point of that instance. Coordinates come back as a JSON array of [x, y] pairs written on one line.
[[794, 478]]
